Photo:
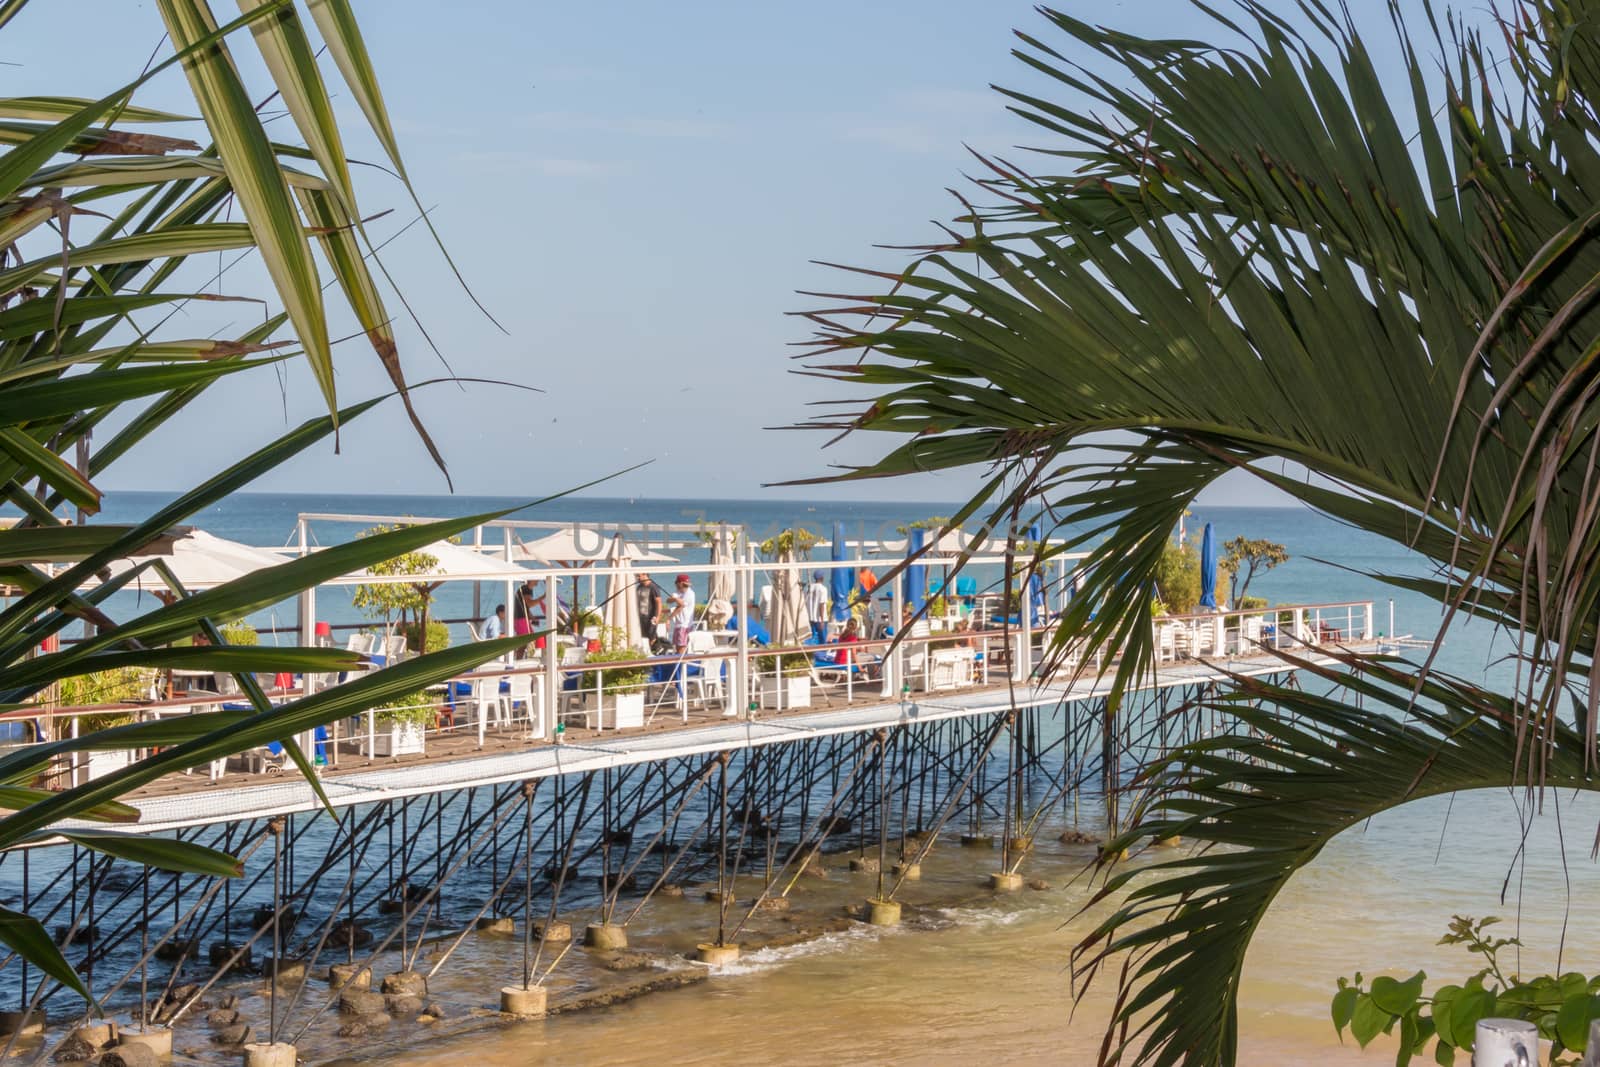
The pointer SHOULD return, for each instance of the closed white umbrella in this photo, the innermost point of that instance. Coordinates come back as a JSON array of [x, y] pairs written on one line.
[[722, 586], [621, 614], [788, 624]]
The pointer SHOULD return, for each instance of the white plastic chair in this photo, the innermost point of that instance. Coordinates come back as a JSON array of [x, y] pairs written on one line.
[[521, 691], [485, 701], [394, 649]]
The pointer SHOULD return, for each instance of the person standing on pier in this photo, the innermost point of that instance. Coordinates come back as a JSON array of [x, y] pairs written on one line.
[[649, 605], [682, 613], [817, 603]]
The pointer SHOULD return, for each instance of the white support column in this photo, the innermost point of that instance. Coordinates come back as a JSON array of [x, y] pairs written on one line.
[[552, 680], [1024, 662], [894, 667], [740, 690]]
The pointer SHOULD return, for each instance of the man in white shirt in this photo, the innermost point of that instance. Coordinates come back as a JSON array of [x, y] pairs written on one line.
[[682, 603], [495, 625], [817, 607]]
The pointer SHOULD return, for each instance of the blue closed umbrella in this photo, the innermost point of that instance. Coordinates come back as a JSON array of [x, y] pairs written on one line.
[[916, 573], [1036, 581], [1208, 568], [840, 579]]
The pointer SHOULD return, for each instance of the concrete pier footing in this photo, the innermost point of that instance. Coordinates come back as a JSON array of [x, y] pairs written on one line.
[[157, 1039], [406, 983], [98, 1035], [883, 912], [864, 864], [277, 1054], [605, 936], [1019, 844], [497, 924], [716, 955], [351, 976], [977, 841], [551, 932], [28, 1022], [909, 871], [1005, 881], [527, 1001]]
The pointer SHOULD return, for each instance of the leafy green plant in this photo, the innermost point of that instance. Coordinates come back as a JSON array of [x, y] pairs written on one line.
[[116, 685], [1561, 1007], [1178, 578], [438, 635], [86, 349], [1197, 297], [614, 648], [1250, 603], [410, 709], [933, 522], [793, 543], [794, 664], [409, 600], [239, 632]]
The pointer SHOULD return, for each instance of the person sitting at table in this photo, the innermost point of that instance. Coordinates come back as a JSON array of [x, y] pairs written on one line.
[[850, 635], [757, 633], [844, 657], [494, 627]]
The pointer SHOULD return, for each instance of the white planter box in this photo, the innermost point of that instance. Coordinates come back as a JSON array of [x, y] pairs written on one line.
[[796, 692], [622, 710], [100, 764], [398, 739]]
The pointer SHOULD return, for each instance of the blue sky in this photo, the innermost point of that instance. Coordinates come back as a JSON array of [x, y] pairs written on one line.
[[636, 191]]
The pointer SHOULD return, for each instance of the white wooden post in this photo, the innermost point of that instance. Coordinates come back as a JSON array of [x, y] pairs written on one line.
[[894, 666], [1506, 1043], [552, 678], [740, 689], [1023, 668]]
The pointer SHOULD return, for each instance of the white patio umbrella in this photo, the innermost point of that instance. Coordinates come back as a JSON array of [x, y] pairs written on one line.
[[200, 561], [621, 614], [458, 562], [572, 547]]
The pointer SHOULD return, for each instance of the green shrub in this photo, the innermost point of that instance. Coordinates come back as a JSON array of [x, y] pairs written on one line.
[[1252, 603], [119, 686], [1178, 578], [625, 680], [413, 708], [438, 636], [239, 632]]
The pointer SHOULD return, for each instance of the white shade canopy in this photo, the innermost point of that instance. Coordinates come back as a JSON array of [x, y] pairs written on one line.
[[576, 547], [458, 562], [200, 560]]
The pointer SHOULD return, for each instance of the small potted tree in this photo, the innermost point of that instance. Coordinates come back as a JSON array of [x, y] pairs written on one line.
[[617, 694], [409, 602], [400, 725]]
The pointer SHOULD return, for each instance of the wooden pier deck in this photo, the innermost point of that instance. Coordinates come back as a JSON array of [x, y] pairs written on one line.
[[454, 760]]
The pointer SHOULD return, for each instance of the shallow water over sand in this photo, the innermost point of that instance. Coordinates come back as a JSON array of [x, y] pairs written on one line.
[[986, 979]]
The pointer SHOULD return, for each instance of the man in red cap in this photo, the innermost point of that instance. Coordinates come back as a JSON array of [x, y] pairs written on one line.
[[682, 603]]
